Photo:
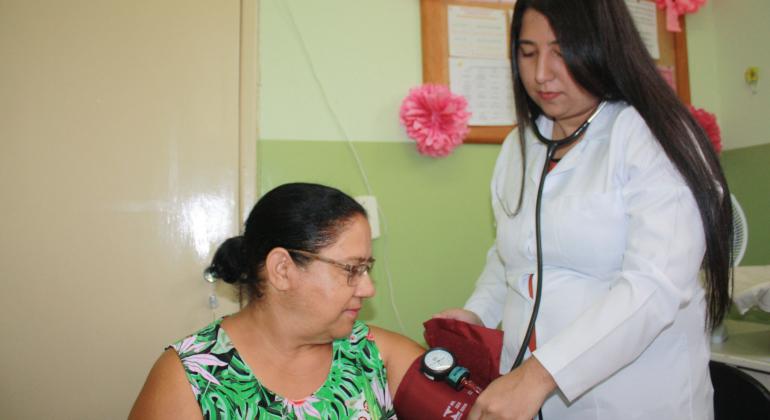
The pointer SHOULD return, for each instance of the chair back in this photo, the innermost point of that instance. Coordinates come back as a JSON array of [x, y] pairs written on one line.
[[737, 395]]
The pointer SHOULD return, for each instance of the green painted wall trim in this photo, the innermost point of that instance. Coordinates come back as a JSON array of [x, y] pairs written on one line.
[[438, 222], [438, 218], [748, 172], [748, 175]]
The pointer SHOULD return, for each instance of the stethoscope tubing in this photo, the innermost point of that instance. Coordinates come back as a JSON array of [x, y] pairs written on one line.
[[552, 146]]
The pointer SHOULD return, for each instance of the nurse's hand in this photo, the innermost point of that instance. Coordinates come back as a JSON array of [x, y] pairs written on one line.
[[516, 395], [460, 315]]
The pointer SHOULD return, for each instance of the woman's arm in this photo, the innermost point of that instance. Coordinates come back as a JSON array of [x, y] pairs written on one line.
[[166, 394], [398, 353], [488, 299]]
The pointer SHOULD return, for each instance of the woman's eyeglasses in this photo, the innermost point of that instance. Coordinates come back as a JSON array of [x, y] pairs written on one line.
[[355, 271]]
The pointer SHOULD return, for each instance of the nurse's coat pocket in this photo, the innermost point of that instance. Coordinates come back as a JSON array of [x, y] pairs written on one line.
[[590, 230]]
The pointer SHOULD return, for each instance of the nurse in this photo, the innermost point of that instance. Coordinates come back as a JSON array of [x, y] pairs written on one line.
[[632, 210]]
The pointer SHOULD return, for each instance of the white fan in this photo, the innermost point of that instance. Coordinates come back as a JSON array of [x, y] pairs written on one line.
[[738, 249], [740, 232]]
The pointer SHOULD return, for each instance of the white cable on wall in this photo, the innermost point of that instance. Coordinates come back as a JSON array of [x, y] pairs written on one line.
[[354, 152]]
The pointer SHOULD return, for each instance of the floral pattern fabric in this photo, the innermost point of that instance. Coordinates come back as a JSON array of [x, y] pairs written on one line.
[[226, 389]]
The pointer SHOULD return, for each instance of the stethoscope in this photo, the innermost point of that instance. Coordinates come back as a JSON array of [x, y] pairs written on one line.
[[552, 145]]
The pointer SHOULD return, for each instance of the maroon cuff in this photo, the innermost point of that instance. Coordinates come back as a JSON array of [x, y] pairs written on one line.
[[419, 398]]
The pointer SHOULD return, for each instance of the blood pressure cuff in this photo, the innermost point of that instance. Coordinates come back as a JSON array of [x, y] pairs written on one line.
[[419, 398], [476, 348]]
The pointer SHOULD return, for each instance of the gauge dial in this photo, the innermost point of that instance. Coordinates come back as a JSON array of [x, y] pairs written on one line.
[[439, 360]]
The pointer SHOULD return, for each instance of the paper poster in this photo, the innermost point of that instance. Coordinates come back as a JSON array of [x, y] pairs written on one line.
[[486, 85], [477, 32], [644, 14]]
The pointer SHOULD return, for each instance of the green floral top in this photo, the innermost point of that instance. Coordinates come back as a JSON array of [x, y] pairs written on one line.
[[225, 387]]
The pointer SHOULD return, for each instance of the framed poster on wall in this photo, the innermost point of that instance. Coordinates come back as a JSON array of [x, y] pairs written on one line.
[[465, 46]]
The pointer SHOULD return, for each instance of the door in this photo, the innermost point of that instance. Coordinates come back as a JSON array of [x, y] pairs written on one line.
[[121, 130]]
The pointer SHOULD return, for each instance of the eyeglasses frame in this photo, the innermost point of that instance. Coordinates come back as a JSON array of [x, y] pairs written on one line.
[[354, 271]]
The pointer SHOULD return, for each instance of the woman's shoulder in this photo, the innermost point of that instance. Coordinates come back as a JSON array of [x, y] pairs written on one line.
[[398, 353], [360, 342], [635, 148], [626, 130], [206, 355], [387, 336], [386, 343], [627, 116], [166, 392], [393, 345], [211, 339]]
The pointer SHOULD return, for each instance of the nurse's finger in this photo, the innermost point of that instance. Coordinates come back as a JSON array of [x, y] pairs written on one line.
[[460, 315]]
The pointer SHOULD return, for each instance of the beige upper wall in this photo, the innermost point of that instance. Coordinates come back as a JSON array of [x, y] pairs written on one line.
[[119, 157], [334, 69], [304, 54], [724, 38]]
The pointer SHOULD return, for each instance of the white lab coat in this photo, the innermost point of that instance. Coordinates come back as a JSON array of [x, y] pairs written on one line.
[[621, 325]]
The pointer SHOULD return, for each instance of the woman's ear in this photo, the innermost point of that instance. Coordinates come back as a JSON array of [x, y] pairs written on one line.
[[278, 266]]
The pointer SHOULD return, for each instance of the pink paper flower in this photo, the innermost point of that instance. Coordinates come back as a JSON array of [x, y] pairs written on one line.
[[708, 122], [435, 118], [675, 8]]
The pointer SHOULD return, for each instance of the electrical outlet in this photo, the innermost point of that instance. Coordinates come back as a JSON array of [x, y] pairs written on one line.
[[369, 202]]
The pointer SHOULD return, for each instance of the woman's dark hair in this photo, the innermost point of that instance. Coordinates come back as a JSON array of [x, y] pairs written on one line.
[[606, 56], [301, 216]]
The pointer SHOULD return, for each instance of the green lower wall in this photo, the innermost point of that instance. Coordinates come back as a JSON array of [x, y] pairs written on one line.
[[438, 218], [748, 174], [437, 211]]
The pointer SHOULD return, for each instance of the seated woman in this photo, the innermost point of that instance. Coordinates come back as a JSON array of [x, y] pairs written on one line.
[[296, 350]]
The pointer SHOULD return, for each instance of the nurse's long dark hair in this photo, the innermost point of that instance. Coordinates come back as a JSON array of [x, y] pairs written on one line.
[[606, 56]]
